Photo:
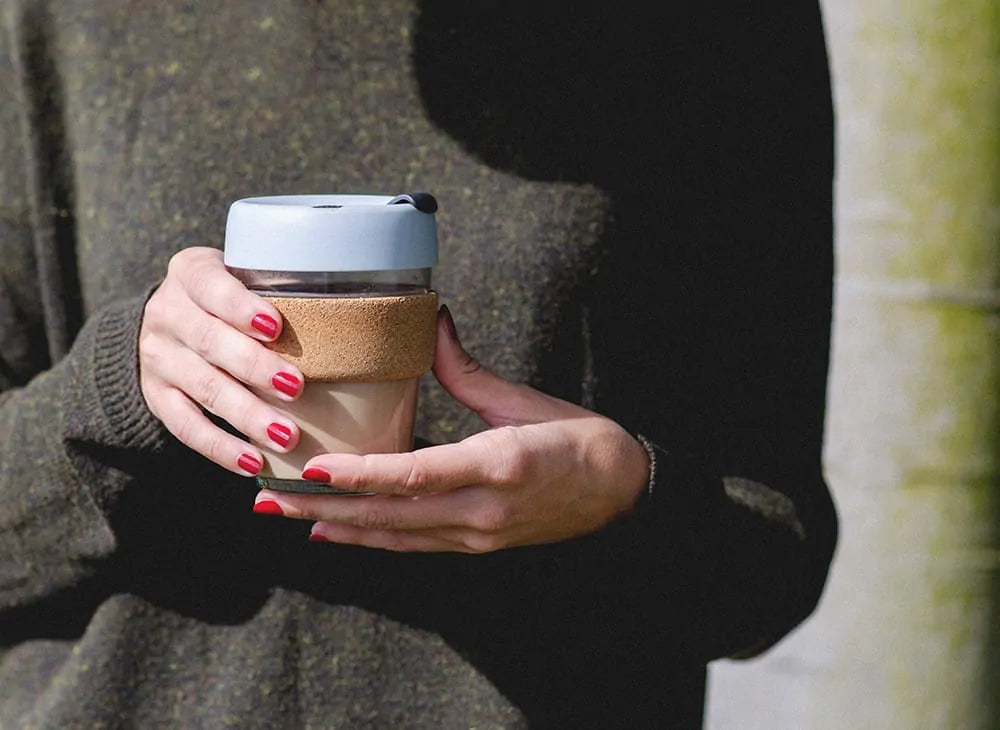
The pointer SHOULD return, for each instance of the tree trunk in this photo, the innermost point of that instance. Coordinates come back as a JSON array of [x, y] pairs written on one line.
[[908, 632]]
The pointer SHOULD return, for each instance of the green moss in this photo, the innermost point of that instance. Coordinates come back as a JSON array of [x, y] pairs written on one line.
[[919, 223], [929, 130]]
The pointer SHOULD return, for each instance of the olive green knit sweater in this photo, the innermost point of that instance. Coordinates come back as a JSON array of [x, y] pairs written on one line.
[[635, 215]]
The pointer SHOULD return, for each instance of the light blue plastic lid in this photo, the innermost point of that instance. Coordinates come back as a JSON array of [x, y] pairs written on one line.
[[351, 233]]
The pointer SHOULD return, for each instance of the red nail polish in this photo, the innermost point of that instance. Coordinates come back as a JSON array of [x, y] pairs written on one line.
[[265, 324], [267, 507], [250, 463], [315, 474], [286, 383], [279, 434], [316, 537]]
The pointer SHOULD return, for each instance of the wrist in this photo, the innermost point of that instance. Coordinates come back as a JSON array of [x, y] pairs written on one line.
[[650, 451], [634, 471]]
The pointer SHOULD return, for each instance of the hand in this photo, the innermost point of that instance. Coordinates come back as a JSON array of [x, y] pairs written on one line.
[[546, 471], [200, 347]]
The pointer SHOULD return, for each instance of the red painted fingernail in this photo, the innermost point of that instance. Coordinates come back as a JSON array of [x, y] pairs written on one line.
[[267, 507], [286, 383], [249, 462], [265, 324], [315, 474], [279, 434], [316, 537]]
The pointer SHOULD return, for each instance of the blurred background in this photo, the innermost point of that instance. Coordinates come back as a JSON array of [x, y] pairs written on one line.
[[906, 635]]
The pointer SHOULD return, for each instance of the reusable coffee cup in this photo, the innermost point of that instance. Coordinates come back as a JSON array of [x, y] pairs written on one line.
[[351, 277]]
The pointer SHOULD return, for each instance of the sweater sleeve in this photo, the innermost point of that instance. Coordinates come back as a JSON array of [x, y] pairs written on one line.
[[717, 348], [57, 481], [68, 414]]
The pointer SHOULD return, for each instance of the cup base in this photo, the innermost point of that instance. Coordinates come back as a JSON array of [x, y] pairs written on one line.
[[302, 486]]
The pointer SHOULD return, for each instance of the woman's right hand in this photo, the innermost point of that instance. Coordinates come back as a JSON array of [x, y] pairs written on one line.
[[200, 349]]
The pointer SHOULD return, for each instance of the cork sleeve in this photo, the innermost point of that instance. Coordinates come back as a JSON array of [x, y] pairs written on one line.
[[358, 338]]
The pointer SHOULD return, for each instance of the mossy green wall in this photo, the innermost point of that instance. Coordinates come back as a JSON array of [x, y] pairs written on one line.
[[908, 633]]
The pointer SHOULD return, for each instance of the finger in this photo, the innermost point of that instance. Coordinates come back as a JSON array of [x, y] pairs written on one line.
[[485, 458], [473, 541], [193, 429], [383, 539], [466, 507], [471, 519], [220, 394], [244, 358], [203, 276], [496, 400]]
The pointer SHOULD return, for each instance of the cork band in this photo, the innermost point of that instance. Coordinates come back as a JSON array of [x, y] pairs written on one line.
[[358, 338]]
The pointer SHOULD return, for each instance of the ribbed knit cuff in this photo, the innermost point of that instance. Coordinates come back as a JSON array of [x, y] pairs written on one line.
[[130, 424], [103, 404], [680, 485], [109, 431], [650, 448]]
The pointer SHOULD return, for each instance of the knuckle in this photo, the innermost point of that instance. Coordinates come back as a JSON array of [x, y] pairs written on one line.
[[354, 483], [198, 281], [490, 518], [254, 368], [203, 341], [153, 308], [505, 462], [161, 314], [177, 263], [480, 543], [416, 481], [186, 430], [151, 394], [358, 481], [149, 350], [206, 390], [182, 262], [235, 298], [212, 445], [153, 344], [376, 519], [515, 472]]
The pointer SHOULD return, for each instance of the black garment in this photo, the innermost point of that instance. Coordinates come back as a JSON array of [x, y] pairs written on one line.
[[635, 215]]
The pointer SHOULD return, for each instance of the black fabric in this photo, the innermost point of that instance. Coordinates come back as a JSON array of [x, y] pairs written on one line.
[[635, 214]]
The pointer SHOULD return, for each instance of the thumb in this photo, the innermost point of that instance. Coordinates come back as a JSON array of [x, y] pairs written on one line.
[[498, 401]]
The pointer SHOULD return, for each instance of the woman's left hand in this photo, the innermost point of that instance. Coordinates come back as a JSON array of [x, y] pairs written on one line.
[[546, 471]]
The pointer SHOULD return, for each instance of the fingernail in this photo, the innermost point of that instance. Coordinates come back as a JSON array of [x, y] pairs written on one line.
[[265, 324], [317, 537], [449, 322], [279, 434], [286, 383], [315, 474], [250, 463], [267, 507]]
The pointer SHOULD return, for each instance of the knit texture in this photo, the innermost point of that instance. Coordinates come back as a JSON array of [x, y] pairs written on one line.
[[635, 214]]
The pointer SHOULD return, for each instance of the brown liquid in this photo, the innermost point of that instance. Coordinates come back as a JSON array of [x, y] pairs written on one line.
[[353, 418], [362, 358]]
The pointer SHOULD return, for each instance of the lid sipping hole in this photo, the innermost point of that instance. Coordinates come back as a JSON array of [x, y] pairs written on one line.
[[424, 202], [328, 206]]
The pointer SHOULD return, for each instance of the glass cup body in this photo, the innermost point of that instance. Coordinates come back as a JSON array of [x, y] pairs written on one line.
[[338, 416]]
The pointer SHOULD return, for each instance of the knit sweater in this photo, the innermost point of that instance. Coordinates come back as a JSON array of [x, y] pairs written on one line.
[[635, 215]]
